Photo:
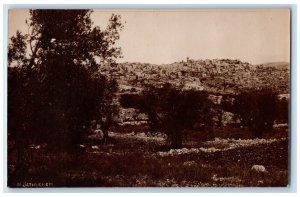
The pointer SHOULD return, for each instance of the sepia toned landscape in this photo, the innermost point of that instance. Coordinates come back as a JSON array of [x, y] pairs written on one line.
[[198, 101]]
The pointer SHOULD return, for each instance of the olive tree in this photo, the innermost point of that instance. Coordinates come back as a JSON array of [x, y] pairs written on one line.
[[54, 85], [256, 108], [173, 110]]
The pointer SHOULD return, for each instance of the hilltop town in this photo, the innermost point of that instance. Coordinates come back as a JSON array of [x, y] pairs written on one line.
[[218, 76]]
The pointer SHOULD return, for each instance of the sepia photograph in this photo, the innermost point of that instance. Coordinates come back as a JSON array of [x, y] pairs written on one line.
[[148, 98]]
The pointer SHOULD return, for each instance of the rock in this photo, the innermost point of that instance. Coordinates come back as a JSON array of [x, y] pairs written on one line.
[[95, 147], [259, 168]]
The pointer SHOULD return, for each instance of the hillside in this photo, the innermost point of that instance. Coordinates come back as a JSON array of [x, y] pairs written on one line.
[[278, 65], [219, 76]]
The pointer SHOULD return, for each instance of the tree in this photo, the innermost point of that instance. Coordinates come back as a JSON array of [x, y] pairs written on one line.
[[54, 86], [109, 109], [172, 110], [282, 113], [130, 100], [256, 109]]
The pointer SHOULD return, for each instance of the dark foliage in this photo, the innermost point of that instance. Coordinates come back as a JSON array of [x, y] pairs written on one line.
[[55, 91], [172, 110], [130, 100], [256, 109]]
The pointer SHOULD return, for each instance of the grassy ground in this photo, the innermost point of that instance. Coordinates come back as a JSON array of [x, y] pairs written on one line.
[[126, 162]]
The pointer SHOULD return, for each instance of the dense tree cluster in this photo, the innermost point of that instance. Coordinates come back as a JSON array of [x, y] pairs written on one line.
[[172, 110]]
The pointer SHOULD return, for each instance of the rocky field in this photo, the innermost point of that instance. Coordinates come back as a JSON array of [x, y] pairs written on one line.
[[136, 159]]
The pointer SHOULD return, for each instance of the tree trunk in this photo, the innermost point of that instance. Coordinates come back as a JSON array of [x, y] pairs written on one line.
[[176, 139], [105, 128]]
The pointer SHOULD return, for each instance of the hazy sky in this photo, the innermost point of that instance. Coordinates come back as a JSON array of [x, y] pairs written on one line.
[[166, 36]]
